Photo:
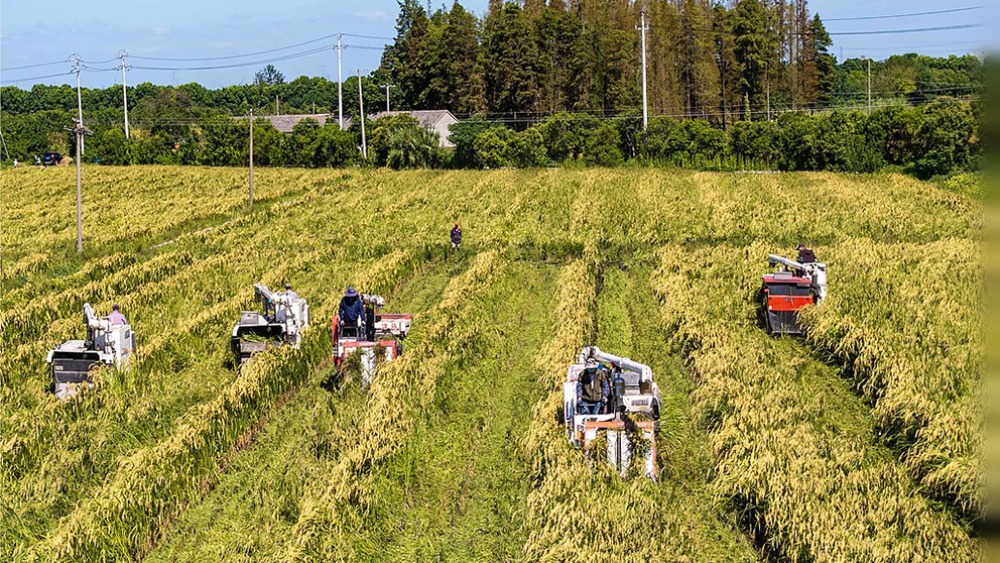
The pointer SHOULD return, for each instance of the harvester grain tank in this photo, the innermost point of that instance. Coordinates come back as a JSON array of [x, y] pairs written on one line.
[[73, 361], [284, 318], [788, 290], [630, 423], [375, 331]]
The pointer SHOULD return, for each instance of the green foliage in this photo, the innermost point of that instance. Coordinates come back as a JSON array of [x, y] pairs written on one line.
[[414, 147], [492, 148], [380, 132], [602, 146]]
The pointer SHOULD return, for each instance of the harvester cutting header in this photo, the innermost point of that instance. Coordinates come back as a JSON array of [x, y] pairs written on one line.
[[785, 292]]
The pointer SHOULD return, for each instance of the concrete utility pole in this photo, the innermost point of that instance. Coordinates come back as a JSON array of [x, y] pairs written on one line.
[[361, 103], [387, 86], [251, 158], [645, 105], [277, 105], [122, 55], [340, 86], [869, 84], [79, 131], [79, 100]]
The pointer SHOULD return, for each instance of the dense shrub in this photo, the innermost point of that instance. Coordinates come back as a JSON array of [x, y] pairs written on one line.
[[602, 148]]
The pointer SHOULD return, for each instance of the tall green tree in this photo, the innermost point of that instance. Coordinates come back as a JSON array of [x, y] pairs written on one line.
[[510, 60], [457, 75], [755, 49]]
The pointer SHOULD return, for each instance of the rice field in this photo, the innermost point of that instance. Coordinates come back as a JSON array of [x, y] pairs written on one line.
[[860, 442]]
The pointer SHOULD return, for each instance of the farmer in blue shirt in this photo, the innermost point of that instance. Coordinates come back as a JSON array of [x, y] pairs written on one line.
[[351, 308]]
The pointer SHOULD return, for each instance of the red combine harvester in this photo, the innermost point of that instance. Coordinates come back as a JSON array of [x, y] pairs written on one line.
[[790, 289], [375, 330]]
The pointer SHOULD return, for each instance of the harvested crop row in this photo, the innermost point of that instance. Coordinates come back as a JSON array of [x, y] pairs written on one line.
[[445, 334], [155, 483], [252, 509], [906, 320], [581, 510], [794, 446], [137, 408]]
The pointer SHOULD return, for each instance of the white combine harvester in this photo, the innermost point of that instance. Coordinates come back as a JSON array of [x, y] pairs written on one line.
[[632, 411], [106, 344], [375, 330], [285, 316]]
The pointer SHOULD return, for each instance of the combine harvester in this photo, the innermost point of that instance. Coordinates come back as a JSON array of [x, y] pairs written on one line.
[[285, 316], [633, 410], [788, 290], [374, 331], [106, 344]]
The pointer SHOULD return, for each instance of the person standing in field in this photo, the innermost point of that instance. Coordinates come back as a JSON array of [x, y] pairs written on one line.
[[116, 317], [456, 237]]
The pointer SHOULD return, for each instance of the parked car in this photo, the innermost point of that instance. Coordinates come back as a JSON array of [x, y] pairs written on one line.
[[51, 158]]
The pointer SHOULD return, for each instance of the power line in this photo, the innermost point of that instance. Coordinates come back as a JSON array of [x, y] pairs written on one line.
[[16, 80], [256, 53], [23, 67], [911, 14], [914, 30], [237, 65]]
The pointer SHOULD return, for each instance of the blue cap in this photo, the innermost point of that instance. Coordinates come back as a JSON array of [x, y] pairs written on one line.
[[351, 292]]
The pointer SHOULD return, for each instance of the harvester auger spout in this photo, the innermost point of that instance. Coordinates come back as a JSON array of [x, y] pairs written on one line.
[[788, 290], [628, 417], [106, 344], [285, 317]]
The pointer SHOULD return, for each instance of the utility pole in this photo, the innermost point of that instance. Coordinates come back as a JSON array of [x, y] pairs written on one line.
[[767, 85], [277, 105], [869, 84], [340, 85], [122, 55], [79, 131], [251, 158], [361, 103], [387, 86], [79, 100], [645, 105]]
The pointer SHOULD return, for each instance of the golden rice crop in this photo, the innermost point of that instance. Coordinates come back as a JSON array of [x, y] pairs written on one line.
[[794, 451]]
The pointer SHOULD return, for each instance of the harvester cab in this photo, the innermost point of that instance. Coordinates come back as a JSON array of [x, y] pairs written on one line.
[[375, 331], [284, 318], [788, 290], [630, 421], [106, 344]]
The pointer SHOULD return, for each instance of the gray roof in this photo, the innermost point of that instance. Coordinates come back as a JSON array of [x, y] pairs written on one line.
[[285, 123], [427, 117]]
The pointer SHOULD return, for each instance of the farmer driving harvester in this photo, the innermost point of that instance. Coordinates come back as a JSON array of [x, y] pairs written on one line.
[[592, 389], [350, 312]]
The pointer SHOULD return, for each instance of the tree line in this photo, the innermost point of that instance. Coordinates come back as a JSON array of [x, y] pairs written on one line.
[[730, 69]]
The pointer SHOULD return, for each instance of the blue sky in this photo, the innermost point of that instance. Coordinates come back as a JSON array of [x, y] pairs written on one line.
[[43, 32]]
